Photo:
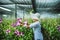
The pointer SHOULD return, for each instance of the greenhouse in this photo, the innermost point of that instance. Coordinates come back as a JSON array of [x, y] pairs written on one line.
[[29, 19]]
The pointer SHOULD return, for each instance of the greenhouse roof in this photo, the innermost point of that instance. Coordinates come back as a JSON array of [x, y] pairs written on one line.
[[15, 1], [37, 5]]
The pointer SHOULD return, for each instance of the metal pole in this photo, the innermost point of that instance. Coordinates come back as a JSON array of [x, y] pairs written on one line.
[[23, 13], [15, 10], [34, 5], [1, 15]]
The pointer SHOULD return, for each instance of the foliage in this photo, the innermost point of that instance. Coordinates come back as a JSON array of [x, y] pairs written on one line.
[[8, 31], [50, 30]]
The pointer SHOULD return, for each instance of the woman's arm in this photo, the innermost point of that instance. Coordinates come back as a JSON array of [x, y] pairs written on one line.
[[33, 25]]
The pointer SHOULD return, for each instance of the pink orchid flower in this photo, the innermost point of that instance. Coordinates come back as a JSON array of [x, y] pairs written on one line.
[[18, 23], [17, 33], [58, 27], [22, 33], [14, 24], [0, 20], [8, 31], [25, 23], [20, 19]]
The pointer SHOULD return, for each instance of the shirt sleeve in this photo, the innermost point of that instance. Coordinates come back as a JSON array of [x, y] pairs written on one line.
[[33, 25]]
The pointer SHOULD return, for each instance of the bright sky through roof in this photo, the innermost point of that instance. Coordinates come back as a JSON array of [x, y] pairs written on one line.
[[5, 9]]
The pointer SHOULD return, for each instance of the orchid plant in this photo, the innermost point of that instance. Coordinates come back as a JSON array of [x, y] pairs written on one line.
[[16, 30]]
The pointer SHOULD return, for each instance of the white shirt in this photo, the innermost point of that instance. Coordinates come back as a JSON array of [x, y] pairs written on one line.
[[37, 30]]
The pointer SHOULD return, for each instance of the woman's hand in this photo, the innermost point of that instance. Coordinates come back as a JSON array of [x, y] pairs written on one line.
[[28, 26], [21, 24]]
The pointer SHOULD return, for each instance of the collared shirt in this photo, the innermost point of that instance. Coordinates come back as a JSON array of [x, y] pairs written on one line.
[[37, 30]]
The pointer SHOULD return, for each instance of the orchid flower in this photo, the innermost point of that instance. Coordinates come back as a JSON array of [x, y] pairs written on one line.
[[0, 20], [18, 23], [17, 33], [8, 31], [20, 19], [22, 33], [58, 28], [25, 23], [14, 24]]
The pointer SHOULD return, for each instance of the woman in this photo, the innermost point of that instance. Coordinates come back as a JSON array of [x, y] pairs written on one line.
[[36, 27]]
